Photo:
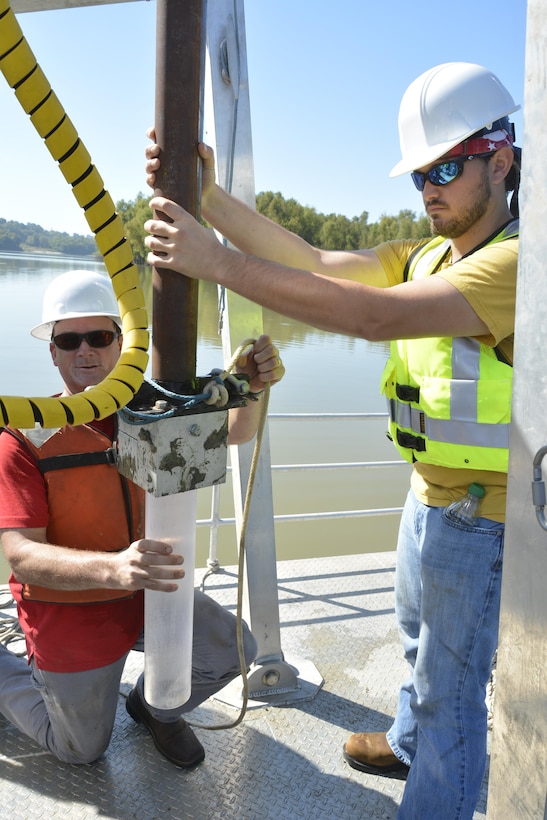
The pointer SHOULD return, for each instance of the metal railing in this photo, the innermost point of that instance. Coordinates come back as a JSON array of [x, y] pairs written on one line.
[[216, 520]]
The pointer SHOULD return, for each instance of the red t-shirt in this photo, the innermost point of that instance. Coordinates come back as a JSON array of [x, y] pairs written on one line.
[[60, 637]]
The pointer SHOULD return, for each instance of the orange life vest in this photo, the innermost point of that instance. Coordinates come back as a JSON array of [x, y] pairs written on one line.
[[91, 506]]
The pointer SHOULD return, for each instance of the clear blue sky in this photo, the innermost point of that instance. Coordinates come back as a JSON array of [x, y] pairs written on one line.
[[325, 82]]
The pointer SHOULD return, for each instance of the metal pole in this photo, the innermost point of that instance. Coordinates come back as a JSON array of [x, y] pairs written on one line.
[[168, 619], [273, 678], [180, 56]]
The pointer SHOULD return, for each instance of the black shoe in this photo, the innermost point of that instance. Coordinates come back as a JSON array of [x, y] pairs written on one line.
[[397, 771], [175, 741]]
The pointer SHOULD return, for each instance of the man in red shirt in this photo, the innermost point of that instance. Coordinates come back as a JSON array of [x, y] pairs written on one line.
[[74, 539]]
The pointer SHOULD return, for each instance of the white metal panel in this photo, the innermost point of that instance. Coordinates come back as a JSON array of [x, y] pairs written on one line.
[[227, 120], [228, 130], [228, 124], [518, 778]]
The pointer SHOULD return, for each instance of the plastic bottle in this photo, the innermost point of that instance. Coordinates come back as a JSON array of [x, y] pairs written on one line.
[[466, 510]]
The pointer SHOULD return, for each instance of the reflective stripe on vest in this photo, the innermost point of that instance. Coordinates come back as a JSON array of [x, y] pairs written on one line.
[[463, 426]]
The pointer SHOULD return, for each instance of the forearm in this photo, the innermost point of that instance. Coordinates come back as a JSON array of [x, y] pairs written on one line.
[[341, 303], [56, 567], [255, 234], [243, 421], [336, 305], [356, 300]]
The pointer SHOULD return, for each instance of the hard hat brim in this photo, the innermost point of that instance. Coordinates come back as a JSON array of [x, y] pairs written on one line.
[[419, 159], [425, 155], [44, 329]]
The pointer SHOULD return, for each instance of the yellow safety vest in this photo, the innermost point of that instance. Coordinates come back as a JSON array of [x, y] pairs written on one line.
[[449, 399]]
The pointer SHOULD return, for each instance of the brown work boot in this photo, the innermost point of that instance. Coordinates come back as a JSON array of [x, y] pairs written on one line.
[[370, 752]]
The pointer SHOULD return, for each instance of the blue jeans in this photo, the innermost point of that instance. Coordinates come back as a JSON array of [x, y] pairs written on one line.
[[447, 595]]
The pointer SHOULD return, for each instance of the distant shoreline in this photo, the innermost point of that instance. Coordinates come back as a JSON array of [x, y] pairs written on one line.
[[33, 251]]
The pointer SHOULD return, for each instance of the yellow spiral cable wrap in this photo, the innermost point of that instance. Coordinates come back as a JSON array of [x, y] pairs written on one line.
[[38, 100]]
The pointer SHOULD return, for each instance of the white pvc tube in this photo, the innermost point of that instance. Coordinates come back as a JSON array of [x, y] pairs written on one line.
[[168, 616]]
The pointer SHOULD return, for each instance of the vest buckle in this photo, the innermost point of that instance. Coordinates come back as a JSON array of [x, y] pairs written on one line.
[[411, 442], [406, 392]]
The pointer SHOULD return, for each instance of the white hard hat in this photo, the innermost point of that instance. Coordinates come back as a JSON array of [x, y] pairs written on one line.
[[74, 295], [443, 107]]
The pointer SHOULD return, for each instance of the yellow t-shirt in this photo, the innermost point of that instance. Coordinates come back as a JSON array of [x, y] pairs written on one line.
[[487, 279]]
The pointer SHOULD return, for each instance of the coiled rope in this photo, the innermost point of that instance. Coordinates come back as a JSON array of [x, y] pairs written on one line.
[[34, 93], [10, 630], [215, 393]]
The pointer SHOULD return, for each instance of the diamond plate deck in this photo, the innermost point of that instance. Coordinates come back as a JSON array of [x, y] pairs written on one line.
[[280, 762]]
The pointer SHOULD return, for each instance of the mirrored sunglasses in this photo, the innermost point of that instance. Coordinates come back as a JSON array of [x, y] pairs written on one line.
[[94, 338], [444, 172]]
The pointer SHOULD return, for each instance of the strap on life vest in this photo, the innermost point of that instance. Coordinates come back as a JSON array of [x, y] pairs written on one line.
[[77, 460], [107, 456]]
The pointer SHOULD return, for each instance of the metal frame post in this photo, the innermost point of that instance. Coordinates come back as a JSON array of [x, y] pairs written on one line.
[[518, 770], [273, 677]]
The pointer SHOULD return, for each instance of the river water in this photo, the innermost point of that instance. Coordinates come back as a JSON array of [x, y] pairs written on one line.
[[326, 373]]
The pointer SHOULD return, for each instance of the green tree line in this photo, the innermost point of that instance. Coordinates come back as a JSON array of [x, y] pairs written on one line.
[[17, 236], [338, 232], [329, 231]]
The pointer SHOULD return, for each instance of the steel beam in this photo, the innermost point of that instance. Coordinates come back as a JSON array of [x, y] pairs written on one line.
[[518, 768]]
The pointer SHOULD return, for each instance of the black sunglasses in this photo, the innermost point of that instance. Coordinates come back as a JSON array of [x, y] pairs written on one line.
[[444, 172], [94, 338]]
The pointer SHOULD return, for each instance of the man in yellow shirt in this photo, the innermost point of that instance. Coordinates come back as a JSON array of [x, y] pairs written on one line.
[[448, 306]]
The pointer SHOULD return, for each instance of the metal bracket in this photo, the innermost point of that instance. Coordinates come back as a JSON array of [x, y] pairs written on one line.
[[166, 448], [274, 682], [538, 488]]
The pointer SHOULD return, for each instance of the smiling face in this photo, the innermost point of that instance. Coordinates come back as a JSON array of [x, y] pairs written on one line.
[[86, 366]]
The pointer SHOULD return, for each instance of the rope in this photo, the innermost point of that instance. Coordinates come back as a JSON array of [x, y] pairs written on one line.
[[218, 394], [491, 692], [241, 568], [215, 393], [10, 629]]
